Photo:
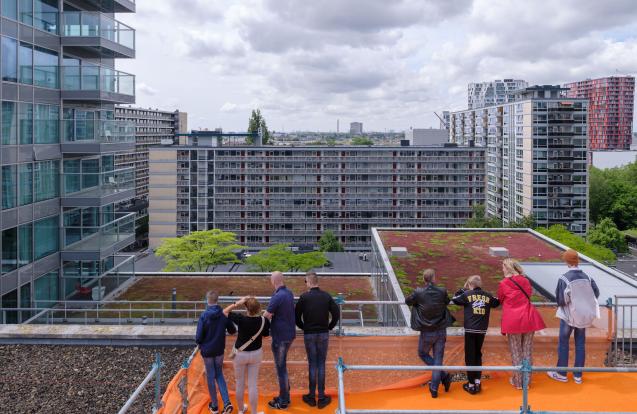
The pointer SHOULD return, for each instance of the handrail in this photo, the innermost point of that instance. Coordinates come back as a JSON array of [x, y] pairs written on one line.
[[155, 372], [525, 368]]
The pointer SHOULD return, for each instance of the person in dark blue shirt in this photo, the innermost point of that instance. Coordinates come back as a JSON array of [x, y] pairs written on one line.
[[282, 330], [211, 338]]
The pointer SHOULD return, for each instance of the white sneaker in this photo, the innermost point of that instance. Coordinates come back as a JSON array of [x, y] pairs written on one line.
[[245, 409], [557, 377], [578, 380]]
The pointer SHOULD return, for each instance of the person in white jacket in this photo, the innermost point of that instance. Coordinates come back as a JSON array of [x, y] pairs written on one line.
[[576, 296]]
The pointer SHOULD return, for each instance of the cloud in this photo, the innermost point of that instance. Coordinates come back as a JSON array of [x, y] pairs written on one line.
[[145, 89], [388, 63]]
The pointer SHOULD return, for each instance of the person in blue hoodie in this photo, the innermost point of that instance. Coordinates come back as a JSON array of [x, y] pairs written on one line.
[[211, 338]]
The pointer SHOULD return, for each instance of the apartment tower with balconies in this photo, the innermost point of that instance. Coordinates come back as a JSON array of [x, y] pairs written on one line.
[[61, 231]]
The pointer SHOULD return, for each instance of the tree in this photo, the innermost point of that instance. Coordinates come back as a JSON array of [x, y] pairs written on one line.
[[280, 257], [606, 234], [199, 251], [527, 222], [559, 233], [256, 121], [623, 210], [329, 242], [480, 220], [362, 141]]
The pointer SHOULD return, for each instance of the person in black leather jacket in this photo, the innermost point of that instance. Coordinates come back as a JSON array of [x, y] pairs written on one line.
[[430, 316]]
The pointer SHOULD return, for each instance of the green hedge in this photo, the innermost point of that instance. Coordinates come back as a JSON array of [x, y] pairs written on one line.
[[560, 234]]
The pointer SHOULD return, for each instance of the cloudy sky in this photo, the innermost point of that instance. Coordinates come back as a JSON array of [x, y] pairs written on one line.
[[387, 63]]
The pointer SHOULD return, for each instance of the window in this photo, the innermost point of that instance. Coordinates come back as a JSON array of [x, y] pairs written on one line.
[[8, 186], [25, 184], [72, 176], [25, 63], [46, 15], [9, 59], [46, 124], [46, 68], [9, 249], [9, 123], [25, 118], [45, 289], [26, 11], [25, 244], [10, 300], [48, 233], [10, 9], [46, 180]]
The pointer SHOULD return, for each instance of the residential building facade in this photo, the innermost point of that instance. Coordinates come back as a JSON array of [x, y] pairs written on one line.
[[610, 110], [269, 195], [536, 156], [152, 126], [61, 232], [483, 94], [356, 128]]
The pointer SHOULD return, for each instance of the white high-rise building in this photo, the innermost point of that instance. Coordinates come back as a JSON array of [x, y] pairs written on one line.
[[536, 156], [482, 94], [356, 128]]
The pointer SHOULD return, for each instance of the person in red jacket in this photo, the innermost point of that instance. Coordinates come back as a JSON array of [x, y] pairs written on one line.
[[520, 319]]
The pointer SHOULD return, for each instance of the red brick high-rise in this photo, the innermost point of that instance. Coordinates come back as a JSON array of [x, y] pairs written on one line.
[[610, 110]]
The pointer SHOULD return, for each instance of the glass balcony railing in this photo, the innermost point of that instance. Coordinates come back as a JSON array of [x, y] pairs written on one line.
[[119, 228], [97, 184], [85, 131], [84, 78], [95, 24]]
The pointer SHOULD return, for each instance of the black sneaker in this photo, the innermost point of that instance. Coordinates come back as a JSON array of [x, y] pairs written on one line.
[[324, 402], [470, 388], [309, 400], [227, 409], [212, 409], [277, 404], [434, 393], [446, 382]]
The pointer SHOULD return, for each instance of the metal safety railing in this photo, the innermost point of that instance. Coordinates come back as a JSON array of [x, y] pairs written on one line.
[[625, 331], [155, 372], [525, 369], [360, 313]]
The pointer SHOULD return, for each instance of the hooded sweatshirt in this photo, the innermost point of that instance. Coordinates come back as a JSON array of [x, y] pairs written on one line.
[[211, 331]]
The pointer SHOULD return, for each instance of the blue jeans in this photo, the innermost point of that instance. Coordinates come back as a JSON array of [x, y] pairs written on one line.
[[316, 348], [435, 340], [280, 353], [562, 347], [214, 372]]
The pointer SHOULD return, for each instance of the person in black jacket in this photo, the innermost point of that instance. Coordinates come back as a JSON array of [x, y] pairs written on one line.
[[313, 311], [211, 338], [477, 308], [431, 317]]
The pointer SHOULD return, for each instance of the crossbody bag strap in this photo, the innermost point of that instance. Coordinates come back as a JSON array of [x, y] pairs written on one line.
[[520, 287], [254, 337]]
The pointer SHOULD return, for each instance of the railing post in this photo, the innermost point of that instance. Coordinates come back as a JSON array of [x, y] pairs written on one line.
[[158, 403], [340, 367], [526, 370], [340, 301]]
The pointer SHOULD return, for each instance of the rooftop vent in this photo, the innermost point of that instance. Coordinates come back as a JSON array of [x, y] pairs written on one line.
[[399, 252], [499, 251]]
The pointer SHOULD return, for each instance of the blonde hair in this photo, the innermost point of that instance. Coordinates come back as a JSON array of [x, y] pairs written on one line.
[[428, 275], [473, 282], [513, 266]]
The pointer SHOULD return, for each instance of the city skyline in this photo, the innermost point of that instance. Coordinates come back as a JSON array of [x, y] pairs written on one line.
[[307, 71]]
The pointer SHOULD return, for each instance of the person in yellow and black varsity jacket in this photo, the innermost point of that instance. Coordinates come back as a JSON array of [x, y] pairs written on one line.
[[477, 307]]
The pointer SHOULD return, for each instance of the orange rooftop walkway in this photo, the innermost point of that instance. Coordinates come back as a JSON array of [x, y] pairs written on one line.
[[393, 390]]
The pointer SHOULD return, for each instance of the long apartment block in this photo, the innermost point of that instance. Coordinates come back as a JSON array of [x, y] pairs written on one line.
[[152, 126], [610, 110], [61, 232], [269, 195], [536, 150]]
